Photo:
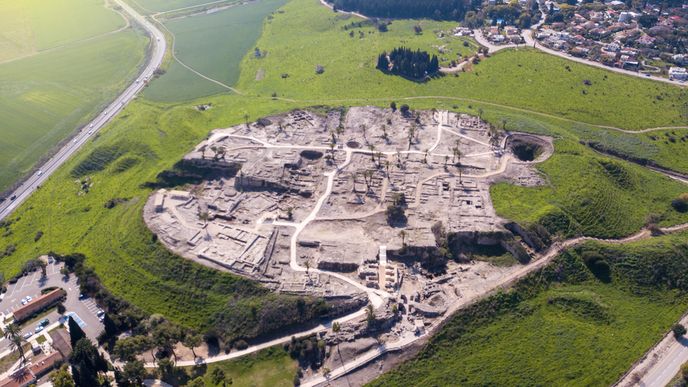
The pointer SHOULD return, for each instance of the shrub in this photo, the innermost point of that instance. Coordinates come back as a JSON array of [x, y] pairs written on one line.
[[679, 330], [680, 204]]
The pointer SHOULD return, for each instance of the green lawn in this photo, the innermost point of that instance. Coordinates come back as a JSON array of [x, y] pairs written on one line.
[[268, 368], [213, 45], [577, 332], [31, 26], [45, 97]]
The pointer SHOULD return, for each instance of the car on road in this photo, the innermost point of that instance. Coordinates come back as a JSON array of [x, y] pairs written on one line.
[[27, 335], [13, 198], [90, 126], [90, 132], [75, 140], [40, 172]]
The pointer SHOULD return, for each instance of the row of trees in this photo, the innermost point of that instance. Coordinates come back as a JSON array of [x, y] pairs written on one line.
[[409, 9], [408, 63]]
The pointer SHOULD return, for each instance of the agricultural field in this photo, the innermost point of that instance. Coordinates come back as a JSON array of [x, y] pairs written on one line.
[[561, 332], [212, 44], [56, 81], [270, 367], [32, 26], [166, 5]]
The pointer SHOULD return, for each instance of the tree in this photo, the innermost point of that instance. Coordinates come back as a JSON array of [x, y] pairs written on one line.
[[679, 330], [87, 363], [404, 109], [192, 340], [217, 376], [198, 382], [134, 372], [61, 308], [75, 331], [62, 377], [12, 333], [393, 106], [165, 367]]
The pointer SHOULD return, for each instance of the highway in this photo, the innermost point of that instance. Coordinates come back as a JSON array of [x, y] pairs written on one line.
[[32, 183]]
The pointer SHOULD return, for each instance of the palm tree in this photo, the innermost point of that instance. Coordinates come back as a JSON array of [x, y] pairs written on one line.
[[12, 333]]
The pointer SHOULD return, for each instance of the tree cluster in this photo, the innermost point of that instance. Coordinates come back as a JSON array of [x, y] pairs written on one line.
[[309, 351], [409, 9], [417, 65]]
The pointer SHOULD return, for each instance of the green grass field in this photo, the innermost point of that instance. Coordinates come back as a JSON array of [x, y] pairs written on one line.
[[30, 26], [577, 332], [270, 367], [213, 45], [65, 65], [155, 135], [307, 34], [45, 97], [167, 5]]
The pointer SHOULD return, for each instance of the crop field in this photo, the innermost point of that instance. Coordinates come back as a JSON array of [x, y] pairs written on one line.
[[212, 44], [582, 331], [45, 97], [63, 60], [307, 34], [167, 5], [30, 26]]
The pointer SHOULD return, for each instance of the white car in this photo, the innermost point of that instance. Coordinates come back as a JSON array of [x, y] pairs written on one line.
[[23, 301], [90, 126], [38, 328], [28, 298], [27, 335], [40, 172]]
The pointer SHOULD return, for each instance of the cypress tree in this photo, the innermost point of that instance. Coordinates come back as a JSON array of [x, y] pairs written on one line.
[[75, 332]]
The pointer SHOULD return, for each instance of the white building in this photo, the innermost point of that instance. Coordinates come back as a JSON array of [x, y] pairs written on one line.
[[678, 73]]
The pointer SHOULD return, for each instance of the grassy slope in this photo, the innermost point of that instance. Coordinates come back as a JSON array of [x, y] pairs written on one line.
[[541, 341], [212, 44], [270, 367], [602, 204], [29, 26], [116, 242], [44, 97], [524, 78]]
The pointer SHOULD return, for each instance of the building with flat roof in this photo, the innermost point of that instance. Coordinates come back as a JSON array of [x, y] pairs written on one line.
[[38, 305]]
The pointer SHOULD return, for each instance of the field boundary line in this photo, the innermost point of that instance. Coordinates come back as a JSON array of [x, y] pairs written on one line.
[[174, 56]]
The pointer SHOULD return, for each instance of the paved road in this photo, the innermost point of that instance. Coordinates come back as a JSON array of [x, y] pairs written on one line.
[[49, 167]]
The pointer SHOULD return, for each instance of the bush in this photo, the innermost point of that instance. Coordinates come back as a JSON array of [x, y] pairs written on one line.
[[680, 204], [679, 330]]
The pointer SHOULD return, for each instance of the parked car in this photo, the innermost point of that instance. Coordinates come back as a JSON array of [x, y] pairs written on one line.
[[44, 322], [27, 335], [38, 329], [28, 298]]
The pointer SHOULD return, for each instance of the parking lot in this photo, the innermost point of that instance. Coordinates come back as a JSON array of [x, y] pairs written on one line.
[[84, 310]]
